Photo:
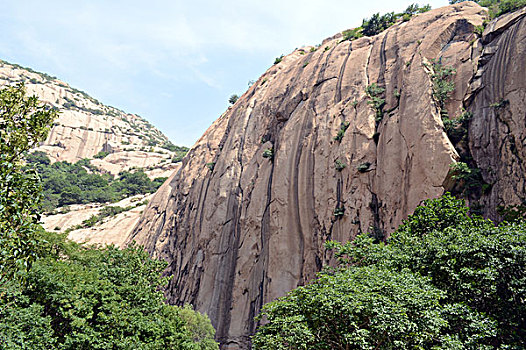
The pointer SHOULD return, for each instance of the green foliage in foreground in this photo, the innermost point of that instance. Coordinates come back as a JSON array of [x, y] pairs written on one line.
[[443, 280], [23, 123], [65, 183], [81, 298]]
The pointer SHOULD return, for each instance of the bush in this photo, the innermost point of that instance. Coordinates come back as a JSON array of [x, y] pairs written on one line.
[[363, 167], [352, 34], [199, 327], [278, 59], [211, 166], [374, 92], [343, 128], [470, 179], [339, 165], [457, 128], [233, 99], [377, 24], [443, 85], [268, 153], [339, 212], [101, 155]]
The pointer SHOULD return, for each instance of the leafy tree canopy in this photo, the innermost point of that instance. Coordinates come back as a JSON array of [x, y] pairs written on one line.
[[462, 276], [86, 298], [23, 123]]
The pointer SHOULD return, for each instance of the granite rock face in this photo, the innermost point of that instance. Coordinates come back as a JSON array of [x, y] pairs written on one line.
[[497, 132], [265, 186]]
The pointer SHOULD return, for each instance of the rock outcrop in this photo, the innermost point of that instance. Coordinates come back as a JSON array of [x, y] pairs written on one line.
[[270, 181]]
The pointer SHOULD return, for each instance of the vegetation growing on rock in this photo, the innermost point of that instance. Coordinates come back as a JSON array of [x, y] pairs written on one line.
[[378, 23], [497, 7]]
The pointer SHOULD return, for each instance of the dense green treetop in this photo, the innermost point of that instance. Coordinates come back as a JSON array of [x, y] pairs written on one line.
[[85, 298], [463, 275]]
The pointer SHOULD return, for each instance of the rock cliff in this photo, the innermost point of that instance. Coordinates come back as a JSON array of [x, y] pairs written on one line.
[[311, 152]]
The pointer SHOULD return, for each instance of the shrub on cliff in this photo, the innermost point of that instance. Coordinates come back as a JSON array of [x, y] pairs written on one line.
[[497, 7], [463, 275]]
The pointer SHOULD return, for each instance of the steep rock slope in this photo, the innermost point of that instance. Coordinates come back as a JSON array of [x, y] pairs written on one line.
[[497, 133], [264, 187], [84, 128]]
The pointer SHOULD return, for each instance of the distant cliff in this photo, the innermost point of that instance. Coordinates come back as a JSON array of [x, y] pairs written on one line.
[[330, 142], [111, 139]]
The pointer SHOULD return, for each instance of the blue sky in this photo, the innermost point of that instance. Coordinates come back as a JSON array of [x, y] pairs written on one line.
[[173, 62]]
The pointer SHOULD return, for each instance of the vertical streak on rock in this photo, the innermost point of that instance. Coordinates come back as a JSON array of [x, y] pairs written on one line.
[[257, 305], [497, 132], [338, 94]]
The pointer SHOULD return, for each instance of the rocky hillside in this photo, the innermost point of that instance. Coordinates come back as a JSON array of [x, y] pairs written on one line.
[[111, 139], [332, 141], [85, 127]]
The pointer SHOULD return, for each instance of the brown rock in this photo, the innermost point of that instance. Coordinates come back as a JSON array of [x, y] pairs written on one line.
[[253, 228]]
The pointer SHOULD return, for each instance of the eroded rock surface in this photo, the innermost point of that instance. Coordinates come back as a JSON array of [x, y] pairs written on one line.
[[252, 205], [497, 131]]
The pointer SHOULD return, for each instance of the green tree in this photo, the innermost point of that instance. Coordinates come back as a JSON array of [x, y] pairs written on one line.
[[476, 268], [233, 99], [355, 308], [23, 123], [78, 298], [199, 327]]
